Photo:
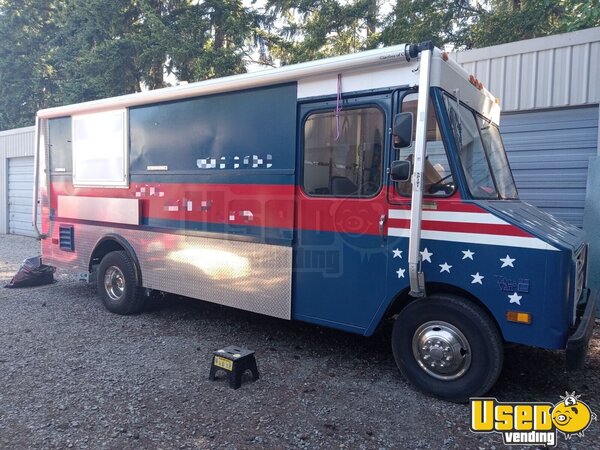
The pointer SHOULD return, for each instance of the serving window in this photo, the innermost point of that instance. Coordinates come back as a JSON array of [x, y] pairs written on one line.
[[100, 149]]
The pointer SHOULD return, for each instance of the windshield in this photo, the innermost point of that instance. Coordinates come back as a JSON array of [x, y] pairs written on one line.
[[481, 153]]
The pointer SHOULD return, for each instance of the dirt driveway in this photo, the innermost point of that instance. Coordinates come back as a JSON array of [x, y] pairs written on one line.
[[74, 375]]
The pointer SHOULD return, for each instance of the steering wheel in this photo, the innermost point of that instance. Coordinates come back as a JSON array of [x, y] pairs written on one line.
[[435, 187]]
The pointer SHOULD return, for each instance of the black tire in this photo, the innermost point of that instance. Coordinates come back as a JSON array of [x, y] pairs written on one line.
[[117, 284], [475, 360]]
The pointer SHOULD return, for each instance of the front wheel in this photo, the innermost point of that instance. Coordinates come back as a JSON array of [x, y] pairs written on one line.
[[117, 284], [448, 347]]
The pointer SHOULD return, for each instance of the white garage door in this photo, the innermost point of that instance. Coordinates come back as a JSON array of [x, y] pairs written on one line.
[[20, 188]]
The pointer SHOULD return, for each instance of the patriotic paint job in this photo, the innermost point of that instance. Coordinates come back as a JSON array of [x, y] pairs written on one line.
[[344, 274], [466, 227], [207, 168]]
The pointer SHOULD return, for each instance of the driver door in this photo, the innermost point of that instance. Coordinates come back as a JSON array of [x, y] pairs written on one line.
[[439, 194]]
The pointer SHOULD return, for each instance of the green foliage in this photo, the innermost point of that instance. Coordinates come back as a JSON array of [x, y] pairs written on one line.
[[582, 14], [305, 30], [512, 20], [96, 50], [27, 78], [213, 36], [439, 21], [54, 52]]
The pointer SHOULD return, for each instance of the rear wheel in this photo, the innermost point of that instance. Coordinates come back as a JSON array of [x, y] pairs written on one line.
[[448, 347], [117, 284]]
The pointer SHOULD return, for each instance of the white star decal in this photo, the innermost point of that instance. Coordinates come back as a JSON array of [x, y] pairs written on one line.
[[426, 255], [508, 261], [445, 267], [397, 253], [515, 298], [477, 278], [400, 273], [468, 254]]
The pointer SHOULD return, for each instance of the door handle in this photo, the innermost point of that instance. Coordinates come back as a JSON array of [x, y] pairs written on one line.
[[382, 220]]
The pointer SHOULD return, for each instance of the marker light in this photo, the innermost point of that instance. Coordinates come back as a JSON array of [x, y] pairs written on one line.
[[475, 82], [519, 317], [444, 56]]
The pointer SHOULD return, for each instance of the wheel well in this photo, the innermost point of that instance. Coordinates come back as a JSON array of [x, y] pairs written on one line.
[[403, 299], [114, 244]]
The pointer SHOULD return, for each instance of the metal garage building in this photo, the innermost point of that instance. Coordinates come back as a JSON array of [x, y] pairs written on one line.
[[549, 93], [16, 173]]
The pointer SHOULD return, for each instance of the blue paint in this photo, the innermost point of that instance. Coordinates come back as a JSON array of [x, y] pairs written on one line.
[[345, 290], [349, 281], [338, 279], [535, 221], [540, 295], [177, 134], [263, 235], [258, 176], [267, 235]]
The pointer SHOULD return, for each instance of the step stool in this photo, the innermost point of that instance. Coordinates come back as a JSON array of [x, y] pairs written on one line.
[[234, 361]]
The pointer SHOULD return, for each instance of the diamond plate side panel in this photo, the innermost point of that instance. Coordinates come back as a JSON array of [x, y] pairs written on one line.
[[246, 275]]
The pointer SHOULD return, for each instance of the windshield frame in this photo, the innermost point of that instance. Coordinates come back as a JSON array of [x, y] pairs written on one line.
[[497, 169]]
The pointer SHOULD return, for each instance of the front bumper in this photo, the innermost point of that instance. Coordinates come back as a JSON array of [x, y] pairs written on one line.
[[577, 344]]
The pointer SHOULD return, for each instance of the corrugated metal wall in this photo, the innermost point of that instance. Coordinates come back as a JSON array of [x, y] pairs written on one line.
[[548, 72], [549, 153], [538, 82], [13, 144]]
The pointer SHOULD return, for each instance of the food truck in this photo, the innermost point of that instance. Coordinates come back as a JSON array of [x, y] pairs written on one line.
[[341, 192]]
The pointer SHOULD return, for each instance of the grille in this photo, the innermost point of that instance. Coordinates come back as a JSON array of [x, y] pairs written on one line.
[[580, 270], [66, 238]]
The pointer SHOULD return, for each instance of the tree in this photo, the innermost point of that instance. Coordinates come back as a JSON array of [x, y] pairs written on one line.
[[582, 14], [54, 52], [26, 73], [304, 30], [504, 21], [213, 39], [440, 21], [96, 50]]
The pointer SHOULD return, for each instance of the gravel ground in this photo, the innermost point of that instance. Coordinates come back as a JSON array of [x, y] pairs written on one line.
[[74, 375]]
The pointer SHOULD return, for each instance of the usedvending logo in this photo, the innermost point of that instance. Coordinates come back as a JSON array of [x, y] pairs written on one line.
[[531, 423]]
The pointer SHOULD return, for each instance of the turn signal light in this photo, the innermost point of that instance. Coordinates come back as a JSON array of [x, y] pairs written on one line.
[[518, 317]]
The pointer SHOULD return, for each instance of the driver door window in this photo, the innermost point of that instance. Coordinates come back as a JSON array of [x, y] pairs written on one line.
[[438, 176], [343, 152]]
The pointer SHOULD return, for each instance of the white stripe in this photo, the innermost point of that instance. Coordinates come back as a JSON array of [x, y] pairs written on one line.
[[449, 216], [475, 238]]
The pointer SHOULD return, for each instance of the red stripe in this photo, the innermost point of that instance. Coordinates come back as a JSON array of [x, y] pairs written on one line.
[[271, 205], [342, 215], [463, 227]]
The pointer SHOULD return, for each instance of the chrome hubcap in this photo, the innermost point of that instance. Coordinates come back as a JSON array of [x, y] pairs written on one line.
[[114, 283], [441, 350]]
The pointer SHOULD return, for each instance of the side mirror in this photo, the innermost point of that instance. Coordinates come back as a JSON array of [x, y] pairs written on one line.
[[400, 170], [402, 129]]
